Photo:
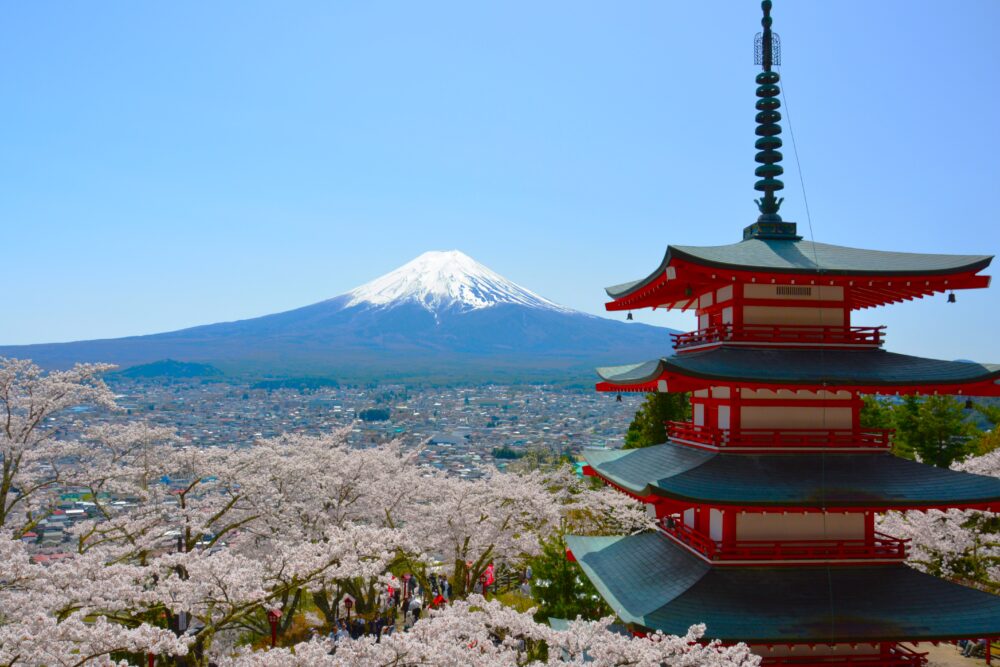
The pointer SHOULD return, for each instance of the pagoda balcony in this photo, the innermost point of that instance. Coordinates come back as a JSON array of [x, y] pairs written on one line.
[[881, 547], [785, 438], [783, 335], [896, 656]]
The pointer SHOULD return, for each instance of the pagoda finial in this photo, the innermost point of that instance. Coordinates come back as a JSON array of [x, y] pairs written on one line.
[[768, 53]]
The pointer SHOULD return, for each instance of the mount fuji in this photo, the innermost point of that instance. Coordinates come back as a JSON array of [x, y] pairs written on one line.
[[442, 316], [440, 281]]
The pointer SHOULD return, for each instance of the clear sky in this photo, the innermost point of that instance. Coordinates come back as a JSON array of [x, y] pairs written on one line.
[[179, 163]]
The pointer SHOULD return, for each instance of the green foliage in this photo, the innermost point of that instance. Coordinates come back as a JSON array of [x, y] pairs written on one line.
[[506, 452], [876, 413], [934, 428], [561, 588], [514, 600], [374, 414], [649, 425], [168, 368], [987, 441], [938, 430]]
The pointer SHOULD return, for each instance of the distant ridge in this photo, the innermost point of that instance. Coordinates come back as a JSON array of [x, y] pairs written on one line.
[[440, 317], [168, 368]]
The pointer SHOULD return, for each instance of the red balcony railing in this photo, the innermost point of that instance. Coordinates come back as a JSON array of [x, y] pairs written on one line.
[[882, 546], [781, 334], [765, 438], [701, 543], [896, 656]]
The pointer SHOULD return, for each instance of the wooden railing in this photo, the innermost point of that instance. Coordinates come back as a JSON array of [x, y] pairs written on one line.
[[896, 656], [882, 546], [779, 334], [675, 526], [767, 438]]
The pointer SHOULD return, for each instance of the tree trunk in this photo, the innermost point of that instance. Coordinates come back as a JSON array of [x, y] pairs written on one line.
[[322, 600], [288, 610], [459, 589]]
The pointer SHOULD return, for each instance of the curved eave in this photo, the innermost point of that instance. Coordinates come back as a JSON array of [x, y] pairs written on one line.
[[870, 371], [687, 271], [623, 290], [833, 260], [654, 584], [871, 481]]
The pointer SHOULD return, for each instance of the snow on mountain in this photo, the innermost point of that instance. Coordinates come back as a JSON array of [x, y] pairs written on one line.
[[439, 280], [441, 317]]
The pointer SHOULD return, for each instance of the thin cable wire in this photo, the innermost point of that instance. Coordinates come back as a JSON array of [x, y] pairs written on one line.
[[805, 200], [819, 270], [798, 166]]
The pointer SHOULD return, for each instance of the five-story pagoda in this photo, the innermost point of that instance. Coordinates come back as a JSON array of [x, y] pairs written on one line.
[[766, 500]]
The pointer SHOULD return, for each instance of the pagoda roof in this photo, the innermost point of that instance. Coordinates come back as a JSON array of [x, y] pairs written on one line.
[[653, 583], [875, 276], [797, 256], [873, 370], [875, 480]]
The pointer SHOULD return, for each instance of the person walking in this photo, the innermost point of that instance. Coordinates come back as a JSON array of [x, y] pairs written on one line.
[[415, 605]]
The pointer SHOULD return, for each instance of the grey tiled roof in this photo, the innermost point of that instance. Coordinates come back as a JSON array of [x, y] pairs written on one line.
[[804, 367], [652, 583], [637, 575], [801, 480], [788, 256]]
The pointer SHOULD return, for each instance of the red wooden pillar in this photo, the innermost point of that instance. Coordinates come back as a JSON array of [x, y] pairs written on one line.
[[856, 404], [735, 407], [738, 305], [702, 519], [729, 528]]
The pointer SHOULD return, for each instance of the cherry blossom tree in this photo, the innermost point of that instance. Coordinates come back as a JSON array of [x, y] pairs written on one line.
[[482, 633], [72, 613], [29, 453], [957, 544], [187, 549]]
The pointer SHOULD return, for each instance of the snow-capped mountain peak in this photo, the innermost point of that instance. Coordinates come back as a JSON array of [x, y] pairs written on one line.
[[444, 279]]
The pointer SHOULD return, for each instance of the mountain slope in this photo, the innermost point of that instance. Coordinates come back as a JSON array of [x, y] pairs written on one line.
[[441, 315]]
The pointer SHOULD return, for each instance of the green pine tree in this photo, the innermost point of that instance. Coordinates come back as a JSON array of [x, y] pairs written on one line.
[[649, 427], [876, 413], [560, 587], [879, 413], [935, 429]]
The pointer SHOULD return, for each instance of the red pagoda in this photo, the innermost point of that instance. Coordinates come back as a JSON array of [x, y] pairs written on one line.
[[766, 500]]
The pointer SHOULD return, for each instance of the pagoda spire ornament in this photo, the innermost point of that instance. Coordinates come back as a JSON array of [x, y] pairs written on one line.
[[767, 53]]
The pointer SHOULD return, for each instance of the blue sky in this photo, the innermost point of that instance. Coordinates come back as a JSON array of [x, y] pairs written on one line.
[[173, 164]]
